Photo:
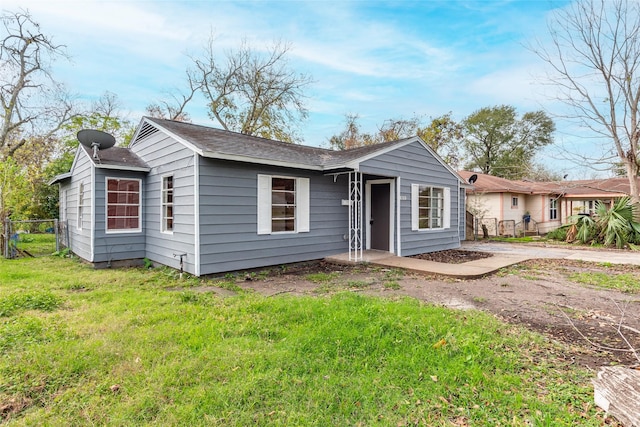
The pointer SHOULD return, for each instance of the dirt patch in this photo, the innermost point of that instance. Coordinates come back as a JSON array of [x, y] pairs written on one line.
[[540, 294], [454, 256]]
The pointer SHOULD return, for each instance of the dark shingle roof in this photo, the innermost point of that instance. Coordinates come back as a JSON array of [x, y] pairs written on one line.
[[214, 142], [117, 157], [120, 158]]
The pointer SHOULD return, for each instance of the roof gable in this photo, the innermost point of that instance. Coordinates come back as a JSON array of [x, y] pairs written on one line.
[[222, 144], [226, 145]]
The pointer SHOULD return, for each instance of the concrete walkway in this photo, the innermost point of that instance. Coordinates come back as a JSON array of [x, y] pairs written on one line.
[[504, 255]]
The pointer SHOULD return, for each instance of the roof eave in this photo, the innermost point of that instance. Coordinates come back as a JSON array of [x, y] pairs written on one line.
[[59, 178], [123, 167], [594, 195], [261, 161]]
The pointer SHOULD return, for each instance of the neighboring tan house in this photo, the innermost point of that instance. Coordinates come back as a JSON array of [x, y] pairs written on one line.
[[503, 204], [223, 201]]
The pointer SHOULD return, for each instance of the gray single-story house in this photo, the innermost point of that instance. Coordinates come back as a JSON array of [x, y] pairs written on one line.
[[223, 201]]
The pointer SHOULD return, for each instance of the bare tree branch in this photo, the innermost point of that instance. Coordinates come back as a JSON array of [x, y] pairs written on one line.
[[175, 107], [250, 92], [594, 61], [33, 103], [596, 345]]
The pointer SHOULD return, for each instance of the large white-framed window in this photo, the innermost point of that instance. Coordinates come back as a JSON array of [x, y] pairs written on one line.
[[166, 222], [430, 207], [553, 208], [80, 212], [123, 205], [283, 204]]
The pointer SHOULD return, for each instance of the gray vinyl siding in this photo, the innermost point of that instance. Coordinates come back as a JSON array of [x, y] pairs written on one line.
[[165, 156], [115, 246], [228, 219], [413, 164], [80, 239]]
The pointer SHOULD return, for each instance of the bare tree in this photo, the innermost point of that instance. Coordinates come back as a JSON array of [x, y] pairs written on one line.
[[442, 134], [34, 105], [594, 58], [351, 136], [174, 108], [252, 93]]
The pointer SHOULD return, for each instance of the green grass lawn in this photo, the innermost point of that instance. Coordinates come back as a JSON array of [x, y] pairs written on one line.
[[123, 347], [624, 282], [37, 243]]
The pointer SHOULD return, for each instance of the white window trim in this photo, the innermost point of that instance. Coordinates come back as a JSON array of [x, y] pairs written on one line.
[[392, 220], [163, 227], [553, 208], [106, 207], [264, 205], [415, 208]]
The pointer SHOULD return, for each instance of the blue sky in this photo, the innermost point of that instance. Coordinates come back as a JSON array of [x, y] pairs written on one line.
[[379, 59]]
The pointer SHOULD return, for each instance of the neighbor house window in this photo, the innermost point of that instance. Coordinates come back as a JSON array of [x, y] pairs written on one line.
[[80, 205], [514, 202], [585, 207], [283, 204], [553, 208], [167, 203], [123, 204], [430, 207]]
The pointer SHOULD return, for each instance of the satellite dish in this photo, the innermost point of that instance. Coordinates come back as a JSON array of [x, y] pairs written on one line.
[[473, 178], [96, 139]]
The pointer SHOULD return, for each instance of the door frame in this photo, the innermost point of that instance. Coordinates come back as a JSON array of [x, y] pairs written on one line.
[[392, 203]]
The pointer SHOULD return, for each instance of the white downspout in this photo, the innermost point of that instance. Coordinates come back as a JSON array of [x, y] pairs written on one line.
[[196, 210], [398, 229]]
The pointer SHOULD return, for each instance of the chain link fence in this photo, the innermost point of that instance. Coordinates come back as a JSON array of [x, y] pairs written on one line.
[[32, 238]]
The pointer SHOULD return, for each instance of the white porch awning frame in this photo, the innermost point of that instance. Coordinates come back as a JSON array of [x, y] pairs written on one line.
[[355, 217]]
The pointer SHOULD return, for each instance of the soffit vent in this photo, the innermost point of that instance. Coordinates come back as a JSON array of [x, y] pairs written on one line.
[[146, 131]]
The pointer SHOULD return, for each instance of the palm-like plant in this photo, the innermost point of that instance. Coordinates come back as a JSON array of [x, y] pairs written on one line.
[[616, 224], [610, 226], [586, 228]]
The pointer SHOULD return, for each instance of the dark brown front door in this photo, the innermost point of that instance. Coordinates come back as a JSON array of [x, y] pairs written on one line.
[[380, 200]]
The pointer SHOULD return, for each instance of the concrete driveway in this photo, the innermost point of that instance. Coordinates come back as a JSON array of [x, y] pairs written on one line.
[[534, 250]]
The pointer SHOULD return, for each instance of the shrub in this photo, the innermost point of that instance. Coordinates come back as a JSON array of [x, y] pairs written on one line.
[[610, 226], [559, 233]]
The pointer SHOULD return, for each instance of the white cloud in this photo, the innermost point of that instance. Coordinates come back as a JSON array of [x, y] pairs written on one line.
[[376, 59]]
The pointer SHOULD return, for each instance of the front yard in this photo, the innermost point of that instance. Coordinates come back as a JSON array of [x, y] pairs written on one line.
[[130, 347]]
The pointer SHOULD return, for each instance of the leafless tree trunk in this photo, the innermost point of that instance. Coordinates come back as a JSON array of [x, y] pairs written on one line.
[[594, 58], [33, 104]]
